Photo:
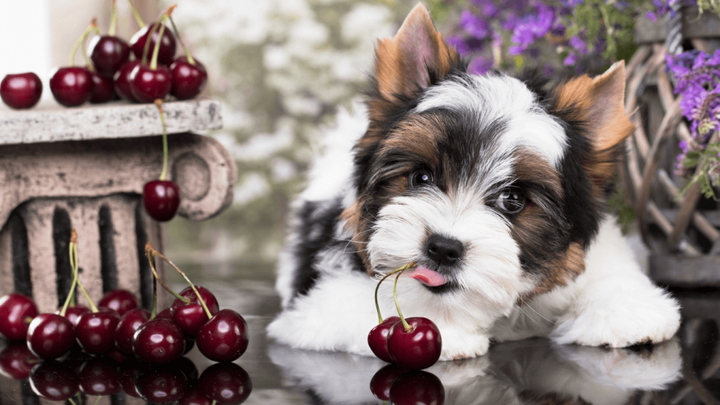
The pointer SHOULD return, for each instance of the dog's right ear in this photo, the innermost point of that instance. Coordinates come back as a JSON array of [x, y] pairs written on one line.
[[409, 62]]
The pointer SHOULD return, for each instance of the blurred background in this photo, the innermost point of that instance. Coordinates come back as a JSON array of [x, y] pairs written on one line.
[[280, 68]]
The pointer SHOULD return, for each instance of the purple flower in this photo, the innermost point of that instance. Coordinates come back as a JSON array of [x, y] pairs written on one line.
[[579, 45], [651, 16], [459, 43], [473, 25], [570, 59], [530, 28], [480, 65], [488, 8], [683, 145]]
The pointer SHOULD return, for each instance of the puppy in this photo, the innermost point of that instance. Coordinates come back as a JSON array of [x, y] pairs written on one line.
[[493, 187]]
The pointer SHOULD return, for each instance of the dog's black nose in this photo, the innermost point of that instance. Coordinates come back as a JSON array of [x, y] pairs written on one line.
[[443, 250]]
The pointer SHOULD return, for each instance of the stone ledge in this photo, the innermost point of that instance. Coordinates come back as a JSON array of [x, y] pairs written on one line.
[[51, 122]]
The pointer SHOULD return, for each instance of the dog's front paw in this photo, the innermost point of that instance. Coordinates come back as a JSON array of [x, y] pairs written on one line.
[[617, 317], [458, 345]]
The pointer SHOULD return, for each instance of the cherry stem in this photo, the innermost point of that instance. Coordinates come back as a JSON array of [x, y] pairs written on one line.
[[91, 27], [153, 313], [88, 62], [98, 399], [113, 19], [149, 247], [407, 327], [73, 267], [71, 401], [151, 258], [156, 51], [163, 173], [190, 59], [147, 42], [377, 305], [135, 13]]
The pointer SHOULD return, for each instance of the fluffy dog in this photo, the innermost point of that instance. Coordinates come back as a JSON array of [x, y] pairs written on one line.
[[493, 186]]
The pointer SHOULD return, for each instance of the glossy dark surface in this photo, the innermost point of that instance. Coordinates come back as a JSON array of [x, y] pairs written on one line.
[[73, 313], [191, 316], [148, 85], [161, 199], [22, 90], [188, 80], [533, 371], [71, 86]]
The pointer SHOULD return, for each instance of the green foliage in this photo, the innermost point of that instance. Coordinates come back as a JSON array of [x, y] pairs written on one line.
[[706, 163], [619, 204], [607, 20]]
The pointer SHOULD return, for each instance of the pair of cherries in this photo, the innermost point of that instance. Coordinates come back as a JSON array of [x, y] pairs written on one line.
[[413, 343]]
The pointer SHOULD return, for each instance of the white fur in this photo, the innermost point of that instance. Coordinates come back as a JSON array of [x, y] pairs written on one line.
[[613, 303], [502, 99]]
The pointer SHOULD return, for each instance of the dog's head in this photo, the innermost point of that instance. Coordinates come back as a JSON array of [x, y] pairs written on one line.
[[493, 187]]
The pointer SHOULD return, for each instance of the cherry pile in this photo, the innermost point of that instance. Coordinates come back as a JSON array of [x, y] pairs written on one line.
[[179, 380], [413, 343], [117, 327], [140, 70]]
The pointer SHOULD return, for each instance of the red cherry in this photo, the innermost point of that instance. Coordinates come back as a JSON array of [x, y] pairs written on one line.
[[122, 80], [148, 85], [226, 383], [129, 323], [191, 317], [120, 300], [165, 313], [50, 336], [377, 338], [164, 384], [99, 377], [188, 80], [167, 45], [129, 372], [417, 348], [73, 313], [16, 312], [158, 341], [108, 53], [417, 387], [384, 379], [224, 337], [161, 199], [96, 330], [103, 89], [16, 361], [22, 90], [54, 381], [71, 86], [195, 397]]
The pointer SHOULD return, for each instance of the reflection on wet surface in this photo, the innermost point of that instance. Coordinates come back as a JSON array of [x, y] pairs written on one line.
[[535, 371]]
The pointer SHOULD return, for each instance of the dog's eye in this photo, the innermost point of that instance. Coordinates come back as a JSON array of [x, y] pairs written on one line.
[[420, 177], [511, 200]]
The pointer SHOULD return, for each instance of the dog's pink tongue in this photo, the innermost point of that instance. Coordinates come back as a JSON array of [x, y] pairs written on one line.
[[428, 277]]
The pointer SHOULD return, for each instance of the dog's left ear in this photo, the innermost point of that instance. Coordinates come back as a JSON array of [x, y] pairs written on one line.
[[598, 104], [412, 59]]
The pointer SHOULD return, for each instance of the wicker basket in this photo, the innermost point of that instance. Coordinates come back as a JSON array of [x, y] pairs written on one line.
[[683, 234]]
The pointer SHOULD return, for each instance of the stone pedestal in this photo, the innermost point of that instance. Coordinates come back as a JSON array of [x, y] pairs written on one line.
[[84, 168]]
